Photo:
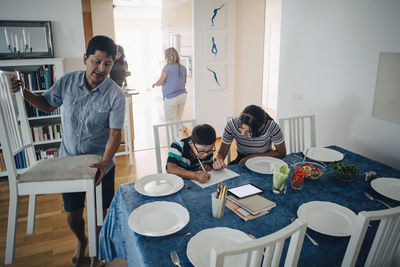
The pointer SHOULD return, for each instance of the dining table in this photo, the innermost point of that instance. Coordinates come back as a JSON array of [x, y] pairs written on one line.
[[118, 240]]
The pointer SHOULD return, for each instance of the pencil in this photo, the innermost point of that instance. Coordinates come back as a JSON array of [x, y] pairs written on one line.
[[201, 165]]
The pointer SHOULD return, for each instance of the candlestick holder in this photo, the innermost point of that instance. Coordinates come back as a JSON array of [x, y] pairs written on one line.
[[25, 39]]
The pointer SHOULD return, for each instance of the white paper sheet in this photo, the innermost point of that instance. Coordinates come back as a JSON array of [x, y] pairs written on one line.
[[217, 177]]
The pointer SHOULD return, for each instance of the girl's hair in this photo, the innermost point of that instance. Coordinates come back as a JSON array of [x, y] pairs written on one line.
[[255, 117], [172, 57]]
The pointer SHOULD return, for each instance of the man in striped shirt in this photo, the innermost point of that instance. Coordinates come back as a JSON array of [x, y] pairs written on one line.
[[192, 154], [254, 132]]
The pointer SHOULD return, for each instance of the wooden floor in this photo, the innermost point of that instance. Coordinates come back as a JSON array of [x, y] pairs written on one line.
[[52, 243]]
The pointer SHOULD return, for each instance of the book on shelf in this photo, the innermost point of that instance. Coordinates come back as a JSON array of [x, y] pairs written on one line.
[[2, 163], [21, 158], [33, 112], [20, 161], [46, 132], [47, 153], [253, 204], [40, 79]]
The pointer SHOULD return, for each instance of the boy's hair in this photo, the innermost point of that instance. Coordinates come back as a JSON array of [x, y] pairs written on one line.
[[102, 43], [204, 134], [254, 116]]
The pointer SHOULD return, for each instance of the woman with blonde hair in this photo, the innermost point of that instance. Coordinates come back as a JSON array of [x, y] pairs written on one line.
[[173, 80]]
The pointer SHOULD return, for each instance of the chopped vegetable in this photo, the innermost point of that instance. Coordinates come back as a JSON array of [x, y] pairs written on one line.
[[298, 177], [280, 176], [345, 170]]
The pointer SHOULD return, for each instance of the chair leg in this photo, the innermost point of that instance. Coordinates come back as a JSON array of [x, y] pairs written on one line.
[[99, 205], [31, 214], [11, 227], [91, 218], [128, 134]]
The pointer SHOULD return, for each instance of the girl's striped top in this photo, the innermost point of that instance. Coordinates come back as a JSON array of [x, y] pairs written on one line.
[[271, 133]]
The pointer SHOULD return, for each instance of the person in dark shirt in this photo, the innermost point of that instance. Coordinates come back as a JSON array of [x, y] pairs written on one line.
[[119, 71]]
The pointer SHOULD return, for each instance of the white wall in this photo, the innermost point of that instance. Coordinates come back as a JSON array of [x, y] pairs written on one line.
[[66, 22], [245, 69], [103, 18], [329, 55], [250, 17], [272, 41], [212, 105], [177, 19]]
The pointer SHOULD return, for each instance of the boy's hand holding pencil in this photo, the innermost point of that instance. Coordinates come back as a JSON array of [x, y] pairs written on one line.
[[204, 176]]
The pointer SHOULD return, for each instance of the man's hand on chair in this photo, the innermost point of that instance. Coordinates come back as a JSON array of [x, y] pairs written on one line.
[[102, 167]]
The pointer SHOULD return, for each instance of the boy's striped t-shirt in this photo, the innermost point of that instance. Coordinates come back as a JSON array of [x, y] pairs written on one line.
[[180, 154]]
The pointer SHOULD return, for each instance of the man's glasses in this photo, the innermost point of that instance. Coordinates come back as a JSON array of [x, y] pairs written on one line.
[[200, 152]]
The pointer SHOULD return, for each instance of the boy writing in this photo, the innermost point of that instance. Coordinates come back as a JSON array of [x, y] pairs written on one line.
[[185, 155]]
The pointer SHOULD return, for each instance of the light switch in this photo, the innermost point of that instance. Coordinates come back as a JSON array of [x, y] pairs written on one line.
[[297, 95]]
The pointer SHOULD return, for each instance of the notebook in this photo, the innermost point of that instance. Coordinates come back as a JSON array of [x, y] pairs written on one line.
[[241, 212], [253, 204]]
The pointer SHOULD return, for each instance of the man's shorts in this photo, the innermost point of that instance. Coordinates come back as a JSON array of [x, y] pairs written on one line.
[[76, 201]]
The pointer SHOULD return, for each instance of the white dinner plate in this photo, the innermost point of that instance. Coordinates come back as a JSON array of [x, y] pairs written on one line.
[[199, 247], [264, 165], [324, 154], [158, 218], [327, 218], [161, 184], [389, 187]]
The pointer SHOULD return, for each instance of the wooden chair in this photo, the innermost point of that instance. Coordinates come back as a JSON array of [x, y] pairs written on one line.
[[299, 132], [57, 175], [386, 241], [173, 130], [267, 249]]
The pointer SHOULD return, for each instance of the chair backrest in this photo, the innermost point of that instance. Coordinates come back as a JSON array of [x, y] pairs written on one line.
[[386, 241], [172, 131], [267, 249], [299, 132], [15, 134], [228, 156]]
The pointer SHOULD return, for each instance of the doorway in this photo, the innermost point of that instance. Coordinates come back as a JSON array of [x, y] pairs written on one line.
[[145, 29], [271, 56]]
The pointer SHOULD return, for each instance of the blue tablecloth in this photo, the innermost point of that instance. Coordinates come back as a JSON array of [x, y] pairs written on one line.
[[117, 240]]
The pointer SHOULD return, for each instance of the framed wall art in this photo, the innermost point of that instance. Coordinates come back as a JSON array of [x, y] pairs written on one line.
[[25, 39]]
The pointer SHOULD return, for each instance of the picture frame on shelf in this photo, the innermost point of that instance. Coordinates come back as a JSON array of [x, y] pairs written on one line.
[[25, 39]]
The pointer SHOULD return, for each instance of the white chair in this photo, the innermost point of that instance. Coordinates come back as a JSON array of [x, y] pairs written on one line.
[[267, 249], [386, 241], [128, 147], [228, 156], [173, 130], [57, 175], [299, 132]]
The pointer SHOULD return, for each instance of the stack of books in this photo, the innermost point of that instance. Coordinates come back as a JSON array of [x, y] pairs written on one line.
[[250, 207]]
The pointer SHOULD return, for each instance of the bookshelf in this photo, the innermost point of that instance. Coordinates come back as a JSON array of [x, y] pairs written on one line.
[[39, 75]]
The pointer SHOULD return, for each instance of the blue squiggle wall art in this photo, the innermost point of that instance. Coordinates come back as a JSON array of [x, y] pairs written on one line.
[[214, 49], [215, 11], [215, 76]]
